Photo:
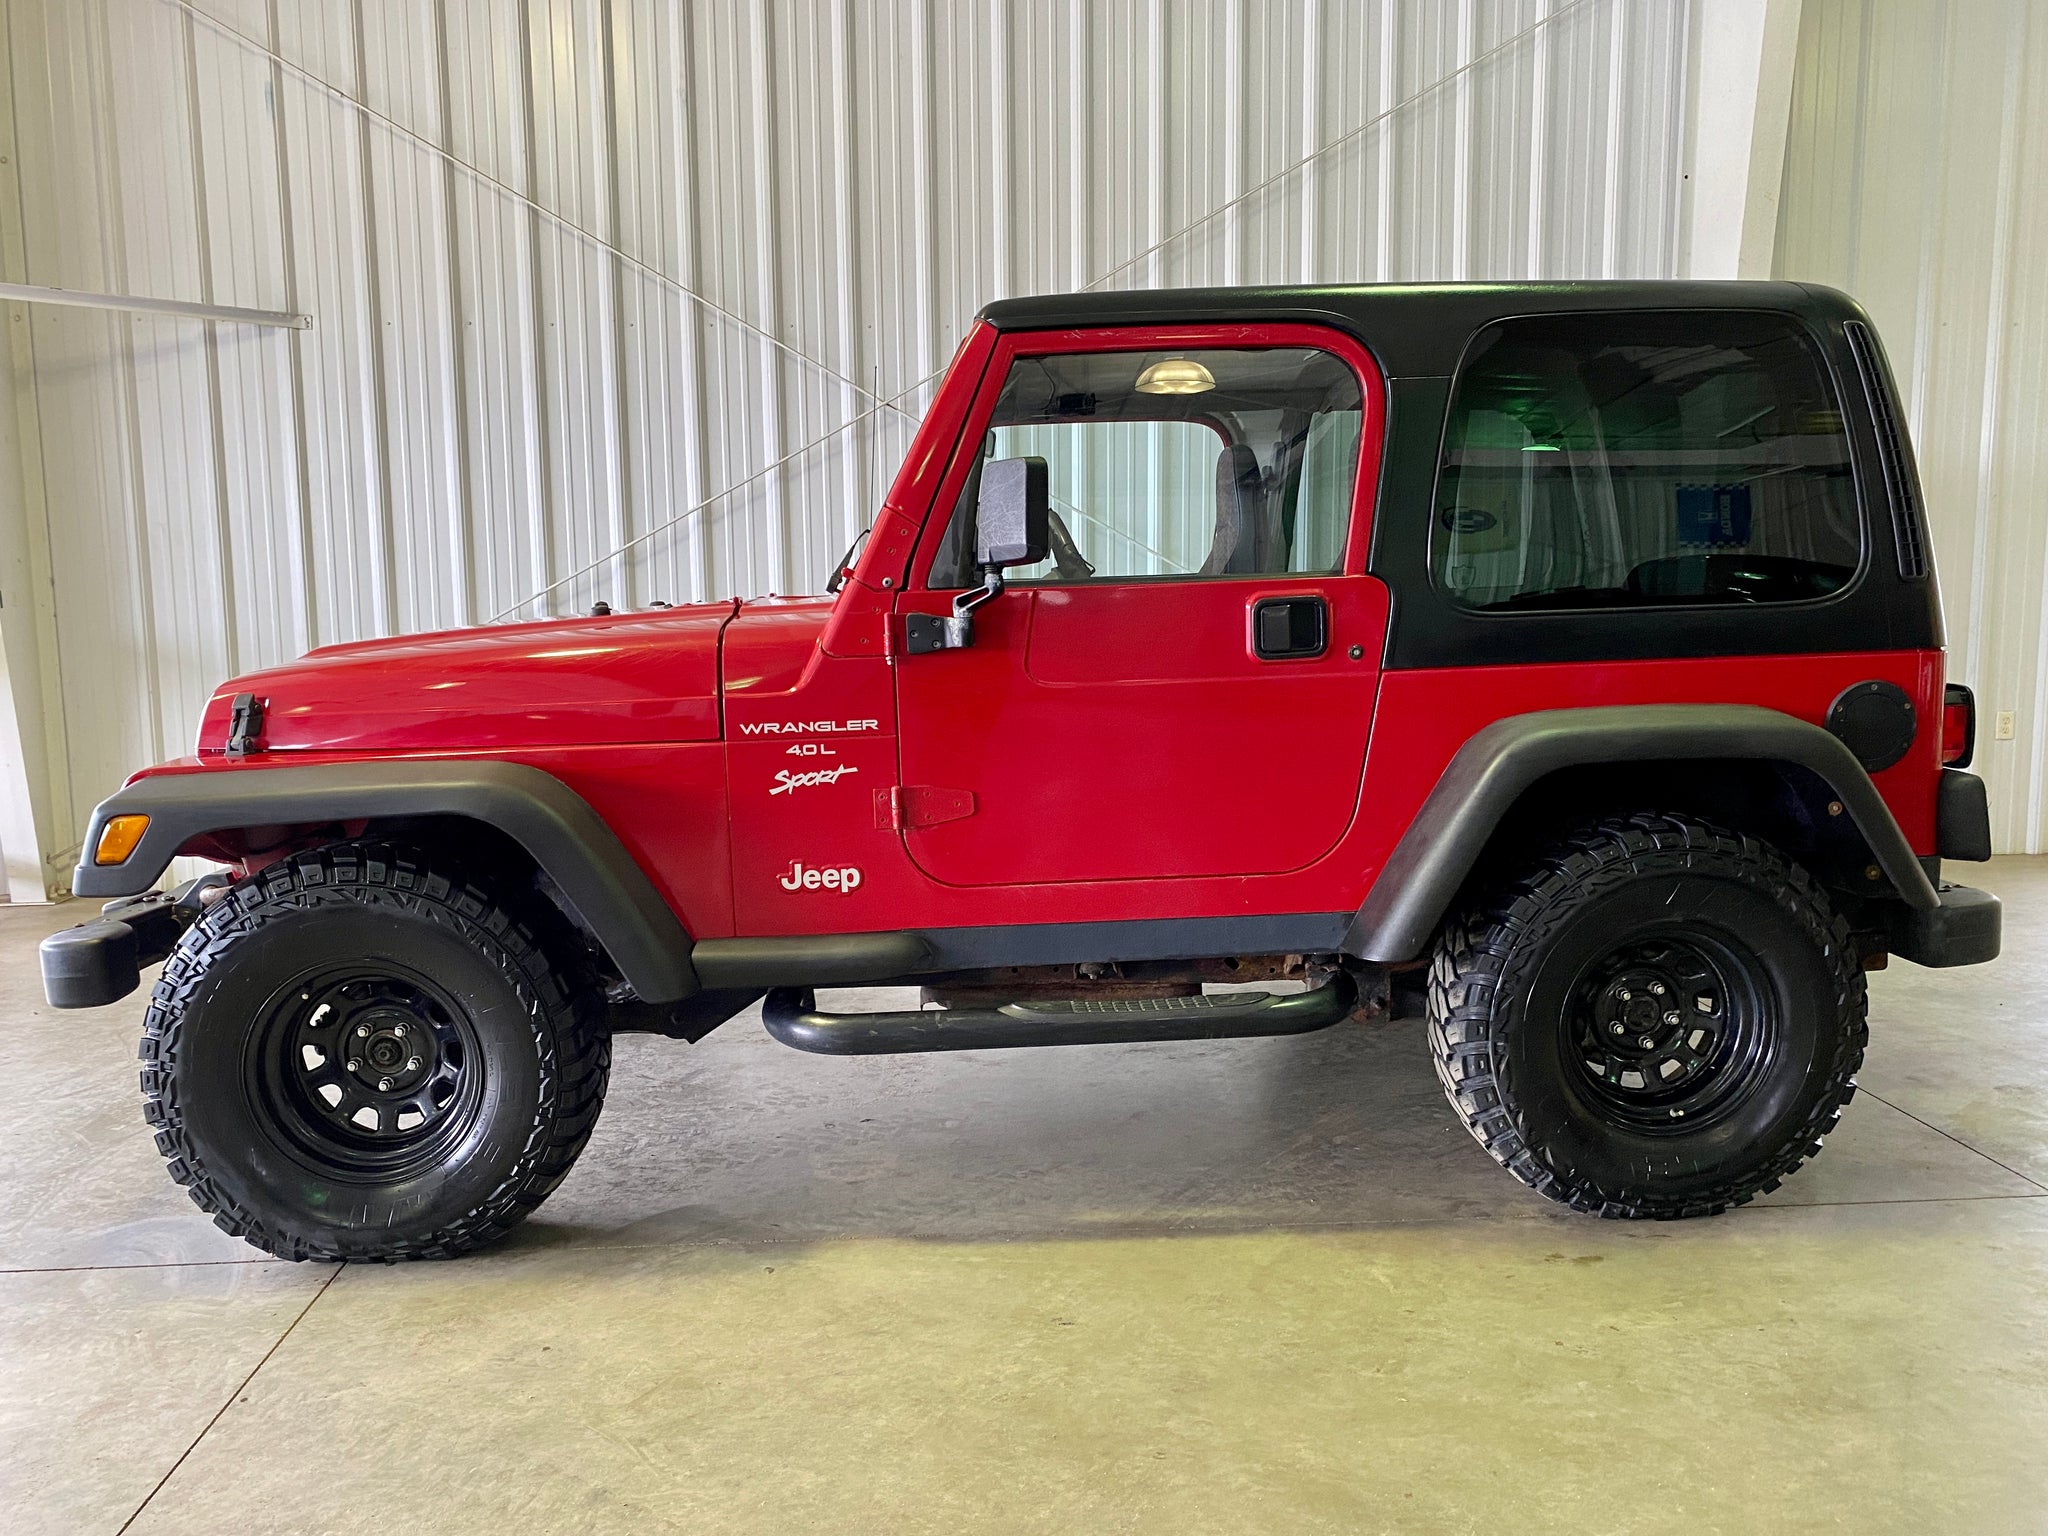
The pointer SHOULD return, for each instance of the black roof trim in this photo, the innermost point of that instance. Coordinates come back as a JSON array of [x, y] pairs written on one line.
[[1413, 328]]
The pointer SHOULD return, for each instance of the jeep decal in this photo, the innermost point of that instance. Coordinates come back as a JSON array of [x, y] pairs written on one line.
[[845, 879]]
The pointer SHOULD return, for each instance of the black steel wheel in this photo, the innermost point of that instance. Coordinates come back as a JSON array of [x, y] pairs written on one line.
[[1660, 1017], [355, 1054], [368, 1069], [1671, 1029]]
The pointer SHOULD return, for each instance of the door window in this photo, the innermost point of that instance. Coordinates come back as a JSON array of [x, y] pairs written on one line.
[[1180, 465], [1624, 460]]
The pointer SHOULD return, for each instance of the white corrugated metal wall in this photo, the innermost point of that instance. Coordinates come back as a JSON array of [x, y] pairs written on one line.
[[634, 299], [1914, 174]]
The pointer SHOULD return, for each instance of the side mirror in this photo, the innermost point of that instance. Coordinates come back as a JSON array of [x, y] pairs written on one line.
[[1012, 526], [1013, 518]]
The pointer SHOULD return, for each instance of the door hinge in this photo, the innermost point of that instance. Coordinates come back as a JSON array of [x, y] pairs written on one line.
[[907, 807]]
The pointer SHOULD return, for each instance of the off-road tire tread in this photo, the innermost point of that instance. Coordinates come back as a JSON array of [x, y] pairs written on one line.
[[562, 1009], [1485, 958]]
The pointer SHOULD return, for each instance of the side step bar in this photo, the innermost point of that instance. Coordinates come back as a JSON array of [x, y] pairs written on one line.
[[792, 1016]]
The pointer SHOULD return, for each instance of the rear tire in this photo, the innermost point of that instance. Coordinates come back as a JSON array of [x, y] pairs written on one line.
[[357, 1055], [1661, 1018]]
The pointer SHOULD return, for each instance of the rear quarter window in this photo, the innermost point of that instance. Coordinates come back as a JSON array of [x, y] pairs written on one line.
[[1639, 459]]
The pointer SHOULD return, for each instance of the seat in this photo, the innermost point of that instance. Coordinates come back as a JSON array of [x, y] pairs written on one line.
[[1240, 506]]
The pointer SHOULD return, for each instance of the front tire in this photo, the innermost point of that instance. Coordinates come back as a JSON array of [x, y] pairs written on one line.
[[1661, 1018], [357, 1055]]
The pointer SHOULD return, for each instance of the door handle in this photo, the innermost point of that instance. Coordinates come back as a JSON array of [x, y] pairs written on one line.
[[1290, 628]]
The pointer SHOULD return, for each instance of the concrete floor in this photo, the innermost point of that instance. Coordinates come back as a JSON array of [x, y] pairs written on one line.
[[1245, 1286]]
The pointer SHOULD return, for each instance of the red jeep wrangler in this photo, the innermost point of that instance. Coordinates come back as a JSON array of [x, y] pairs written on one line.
[[1568, 652]]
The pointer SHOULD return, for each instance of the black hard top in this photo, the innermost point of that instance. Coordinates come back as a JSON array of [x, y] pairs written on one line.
[[1415, 329]]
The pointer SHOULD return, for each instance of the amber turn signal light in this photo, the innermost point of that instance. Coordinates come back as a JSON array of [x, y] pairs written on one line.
[[118, 839]]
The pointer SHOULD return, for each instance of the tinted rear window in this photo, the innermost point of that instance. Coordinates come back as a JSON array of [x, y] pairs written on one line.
[[1620, 460]]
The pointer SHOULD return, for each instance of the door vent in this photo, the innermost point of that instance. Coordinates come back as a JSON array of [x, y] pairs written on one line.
[[1901, 482]]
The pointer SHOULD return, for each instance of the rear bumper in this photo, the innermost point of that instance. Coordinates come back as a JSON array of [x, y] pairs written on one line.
[[101, 962], [1964, 929]]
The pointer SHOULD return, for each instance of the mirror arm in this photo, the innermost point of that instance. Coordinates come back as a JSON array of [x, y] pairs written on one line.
[[928, 632], [991, 587]]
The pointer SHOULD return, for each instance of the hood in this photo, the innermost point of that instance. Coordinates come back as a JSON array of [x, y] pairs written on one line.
[[562, 682]]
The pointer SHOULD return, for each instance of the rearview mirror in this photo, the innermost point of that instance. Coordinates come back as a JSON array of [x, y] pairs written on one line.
[[1012, 526], [1013, 518]]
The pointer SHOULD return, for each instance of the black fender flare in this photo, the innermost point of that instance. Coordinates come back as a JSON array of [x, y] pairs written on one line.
[[1421, 877], [554, 824]]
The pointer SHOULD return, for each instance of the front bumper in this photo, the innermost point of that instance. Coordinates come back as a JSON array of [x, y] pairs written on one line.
[[1963, 930], [101, 962]]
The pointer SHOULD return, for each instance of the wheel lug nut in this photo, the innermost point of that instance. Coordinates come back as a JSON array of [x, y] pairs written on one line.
[[1626, 995], [412, 1063], [1618, 1029], [362, 1031], [383, 1085], [1646, 1042], [355, 1063], [1657, 988], [1671, 1017]]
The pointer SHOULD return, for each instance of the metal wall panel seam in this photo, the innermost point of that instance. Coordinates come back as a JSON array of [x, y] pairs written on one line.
[[766, 227], [383, 567], [1001, 171], [1930, 225], [302, 521], [1313, 51], [540, 535], [1617, 64], [627, 495], [1534, 263], [461, 513], [1079, 166], [923, 176], [1462, 130], [695, 445], [114, 262], [216, 427], [1389, 92], [845, 265]]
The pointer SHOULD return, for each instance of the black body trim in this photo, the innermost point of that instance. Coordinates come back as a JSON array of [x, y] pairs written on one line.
[[1894, 449], [691, 1019], [101, 962], [831, 959], [1422, 876], [1171, 938], [855, 959], [792, 1016], [1962, 817], [1966, 928], [565, 837]]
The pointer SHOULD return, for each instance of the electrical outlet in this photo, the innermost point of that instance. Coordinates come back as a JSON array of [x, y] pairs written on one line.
[[2003, 728]]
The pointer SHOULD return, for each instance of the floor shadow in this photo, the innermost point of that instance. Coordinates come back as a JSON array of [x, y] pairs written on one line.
[[740, 1139]]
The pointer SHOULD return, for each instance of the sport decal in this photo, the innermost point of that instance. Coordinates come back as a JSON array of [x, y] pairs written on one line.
[[785, 781]]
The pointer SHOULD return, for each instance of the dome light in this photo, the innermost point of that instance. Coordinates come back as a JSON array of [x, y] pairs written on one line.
[[1176, 376]]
